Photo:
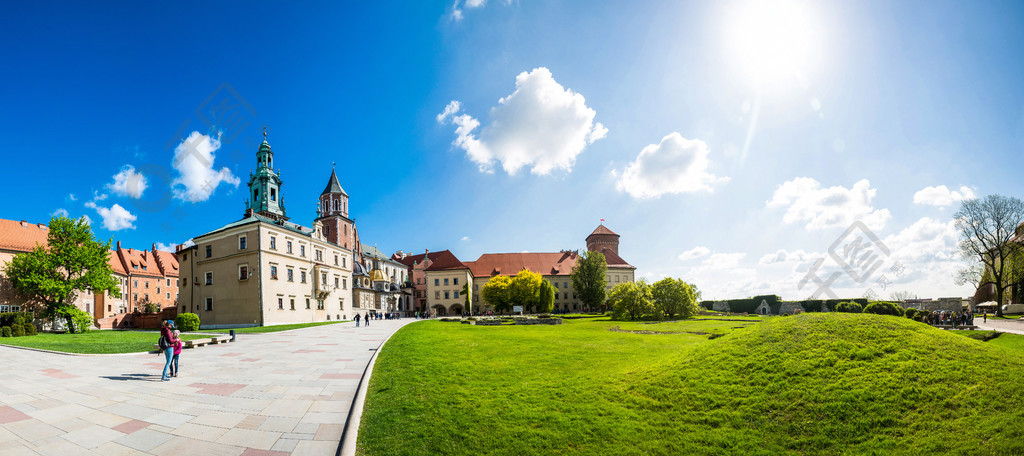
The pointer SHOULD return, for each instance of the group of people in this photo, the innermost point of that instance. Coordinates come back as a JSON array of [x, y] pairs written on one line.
[[377, 316], [949, 318], [170, 345]]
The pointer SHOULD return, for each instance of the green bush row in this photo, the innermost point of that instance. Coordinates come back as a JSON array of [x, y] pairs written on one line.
[[18, 330], [750, 305]]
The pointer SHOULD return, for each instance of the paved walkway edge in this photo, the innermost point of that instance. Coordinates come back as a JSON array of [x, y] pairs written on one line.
[[349, 435]]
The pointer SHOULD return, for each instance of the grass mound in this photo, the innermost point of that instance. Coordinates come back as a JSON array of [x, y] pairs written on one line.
[[808, 384], [828, 383]]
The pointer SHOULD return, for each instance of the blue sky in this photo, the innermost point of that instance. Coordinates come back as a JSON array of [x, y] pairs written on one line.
[[728, 143]]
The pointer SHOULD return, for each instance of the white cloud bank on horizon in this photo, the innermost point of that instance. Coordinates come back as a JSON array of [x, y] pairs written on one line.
[[675, 165], [941, 196], [193, 159], [540, 125], [806, 200], [694, 253], [128, 183], [115, 218]]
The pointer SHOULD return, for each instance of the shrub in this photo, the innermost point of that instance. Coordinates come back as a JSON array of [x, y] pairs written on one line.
[[5, 331], [150, 308], [884, 308], [17, 330], [911, 313], [30, 329], [187, 322], [848, 307]]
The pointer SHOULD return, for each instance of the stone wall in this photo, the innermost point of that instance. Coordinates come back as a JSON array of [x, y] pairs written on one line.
[[791, 308]]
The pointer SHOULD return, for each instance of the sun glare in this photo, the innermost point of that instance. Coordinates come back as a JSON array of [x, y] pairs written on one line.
[[774, 41]]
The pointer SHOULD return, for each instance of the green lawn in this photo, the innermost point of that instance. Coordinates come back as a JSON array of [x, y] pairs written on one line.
[[94, 342], [275, 328], [808, 384]]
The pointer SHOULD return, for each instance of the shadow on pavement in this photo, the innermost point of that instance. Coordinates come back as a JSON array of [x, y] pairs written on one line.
[[136, 377]]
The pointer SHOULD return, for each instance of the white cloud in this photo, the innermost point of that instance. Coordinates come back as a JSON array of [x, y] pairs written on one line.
[[71, 196], [465, 238], [784, 256], [807, 201], [61, 212], [541, 125], [675, 165], [128, 183], [723, 260], [693, 253], [97, 196], [166, 247], [193, 159], [88, 220], [115, 218], [941, 196]]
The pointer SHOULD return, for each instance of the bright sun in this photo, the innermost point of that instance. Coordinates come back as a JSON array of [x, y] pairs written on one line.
[[774, 41]]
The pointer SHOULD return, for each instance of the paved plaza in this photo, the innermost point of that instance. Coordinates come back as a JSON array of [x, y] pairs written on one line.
[[265, 394]]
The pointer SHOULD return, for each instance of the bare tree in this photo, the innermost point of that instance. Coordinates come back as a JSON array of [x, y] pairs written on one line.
[[987, 232], [901, 296]]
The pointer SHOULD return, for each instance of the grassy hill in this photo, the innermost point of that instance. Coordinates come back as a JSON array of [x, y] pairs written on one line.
[[810, 384]]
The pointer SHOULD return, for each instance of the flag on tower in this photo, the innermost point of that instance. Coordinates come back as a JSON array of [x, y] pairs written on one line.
[[602, 220]]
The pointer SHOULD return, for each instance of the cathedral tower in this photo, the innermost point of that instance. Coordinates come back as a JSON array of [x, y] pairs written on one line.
[[332, 212], [265, 185]]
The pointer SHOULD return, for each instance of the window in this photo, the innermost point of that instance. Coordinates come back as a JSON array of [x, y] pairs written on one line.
[[437, 282], [437, 295], [344, 283], [273, 243], [147, 297], [289, 245], [566, 296], [273, 194], [168, 282], [135, 297], [291, 275], [455, 281], [209, 251], [555, 283], [343, 262], [319, 256], [335, 281], [446, 281], [456, 294], [184, 256], [157, 290], [273, 272], [302, 276], [565, 284], [147, 284], [243, 272], [209, 278], [323, 279], [241, 243], [168, 297], [335, 260], [307, 303], [292, 303], [209, 304], [302, 251], [446, 295], [280, 303], [476, 287]]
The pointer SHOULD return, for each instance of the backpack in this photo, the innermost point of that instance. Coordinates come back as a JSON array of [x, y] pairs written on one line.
[[164, 345]]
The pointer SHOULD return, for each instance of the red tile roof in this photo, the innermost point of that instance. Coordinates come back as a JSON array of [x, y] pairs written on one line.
[[115, 263], [446, 260], [22, 236], [601, 229], [140, 262], [509, 264], [613, 260], [168, 263]]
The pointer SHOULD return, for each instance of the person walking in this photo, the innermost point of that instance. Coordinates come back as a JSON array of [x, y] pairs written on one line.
[[167, 347], [985, 317], [357, 320], [177, 351], [367, 318]]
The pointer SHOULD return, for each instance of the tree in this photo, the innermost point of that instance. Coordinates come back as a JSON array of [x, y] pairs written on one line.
[[546, 297], [72, 261], [987, 229], [496, 292], [525, 289], [674, 296], [901, 296], [589, 279], [884, 308], [632, 298], [467, 292]]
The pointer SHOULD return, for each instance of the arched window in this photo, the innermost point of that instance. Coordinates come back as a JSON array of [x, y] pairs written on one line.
[[335, 204]]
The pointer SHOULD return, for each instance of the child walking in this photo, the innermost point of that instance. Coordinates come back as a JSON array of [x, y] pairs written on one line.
[[177, 351]]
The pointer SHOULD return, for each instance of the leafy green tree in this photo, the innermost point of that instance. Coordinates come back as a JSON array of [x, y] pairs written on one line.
[[589, 279], [631, 298], [546, 298], [525, 289], [848, 307], [884, 308], [496, 292], [674, 297], [72, 261], [986, 227]]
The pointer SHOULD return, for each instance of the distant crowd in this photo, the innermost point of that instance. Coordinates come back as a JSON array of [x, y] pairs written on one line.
[[949, 318]]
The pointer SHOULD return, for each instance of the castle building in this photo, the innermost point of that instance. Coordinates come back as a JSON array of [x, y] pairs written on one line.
[[444, 276], [266, 269]]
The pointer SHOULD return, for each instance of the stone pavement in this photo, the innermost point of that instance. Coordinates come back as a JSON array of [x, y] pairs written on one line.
[[1007, 326], [265, 394]]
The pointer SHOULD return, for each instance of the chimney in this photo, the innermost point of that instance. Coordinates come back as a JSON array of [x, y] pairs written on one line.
[[427, 252], [154, 246], [118, 245]]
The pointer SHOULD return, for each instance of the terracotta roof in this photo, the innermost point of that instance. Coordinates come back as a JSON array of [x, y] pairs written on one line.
[[601, 229], [614, 260], [446, 260], [115, 263], [509, 264], [418, 259], [168, 263], [22, 236], [140, 262]]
